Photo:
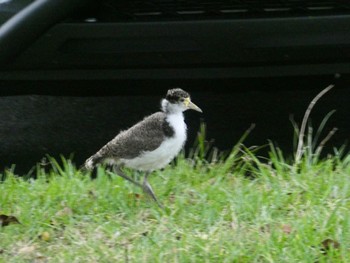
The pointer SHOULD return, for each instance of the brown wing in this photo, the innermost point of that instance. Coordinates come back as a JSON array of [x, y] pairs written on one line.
[[146, 135]]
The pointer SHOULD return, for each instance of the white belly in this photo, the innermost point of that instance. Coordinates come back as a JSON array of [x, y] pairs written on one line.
[[166, 152]]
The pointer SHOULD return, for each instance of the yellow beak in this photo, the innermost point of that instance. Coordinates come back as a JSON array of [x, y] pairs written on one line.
[[190, 105]]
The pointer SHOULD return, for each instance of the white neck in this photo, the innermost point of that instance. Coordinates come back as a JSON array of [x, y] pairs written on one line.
[[177, 121]]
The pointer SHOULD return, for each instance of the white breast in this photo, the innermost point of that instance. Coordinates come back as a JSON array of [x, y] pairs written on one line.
[[166, 152]]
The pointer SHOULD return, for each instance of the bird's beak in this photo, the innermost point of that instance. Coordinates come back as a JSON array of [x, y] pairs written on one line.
[[190, 105]]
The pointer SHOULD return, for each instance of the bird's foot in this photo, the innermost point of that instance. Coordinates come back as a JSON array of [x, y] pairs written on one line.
[[146, 187]]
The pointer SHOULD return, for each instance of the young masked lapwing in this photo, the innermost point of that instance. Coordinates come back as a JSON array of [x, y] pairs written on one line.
[[150, 144]]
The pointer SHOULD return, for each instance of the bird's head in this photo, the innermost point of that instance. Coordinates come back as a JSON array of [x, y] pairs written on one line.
[[178, 100]]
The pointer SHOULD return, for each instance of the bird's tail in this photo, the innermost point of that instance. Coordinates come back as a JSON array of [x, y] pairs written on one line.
[[90, 163]]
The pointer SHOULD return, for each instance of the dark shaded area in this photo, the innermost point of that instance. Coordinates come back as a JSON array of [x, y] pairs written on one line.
[[78, 117], [71, 80], [29, 23], [160, 10]]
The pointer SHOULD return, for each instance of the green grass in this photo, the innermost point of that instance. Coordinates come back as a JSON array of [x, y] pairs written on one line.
[[214, 213]]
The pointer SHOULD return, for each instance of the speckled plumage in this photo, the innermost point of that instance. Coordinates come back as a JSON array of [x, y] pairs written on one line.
[[174, 95], [150, 144], [146, 135]]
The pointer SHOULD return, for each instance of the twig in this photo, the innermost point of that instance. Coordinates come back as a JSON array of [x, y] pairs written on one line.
[[325, 140], [300, 150]]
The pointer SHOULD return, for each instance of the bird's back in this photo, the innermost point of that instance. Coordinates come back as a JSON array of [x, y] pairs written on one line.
[[144, 136], [168, 148]]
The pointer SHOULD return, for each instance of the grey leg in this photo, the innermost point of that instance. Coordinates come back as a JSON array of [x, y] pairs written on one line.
[[148, 190], [146, 187], [119, 172]]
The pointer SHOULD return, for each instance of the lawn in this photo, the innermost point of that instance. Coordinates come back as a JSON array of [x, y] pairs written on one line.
[[236, 209]]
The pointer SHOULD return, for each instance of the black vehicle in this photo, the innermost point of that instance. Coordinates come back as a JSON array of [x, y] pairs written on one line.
[[73, 73]]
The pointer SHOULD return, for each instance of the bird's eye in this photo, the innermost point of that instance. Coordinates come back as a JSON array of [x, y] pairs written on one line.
[[182, 99]]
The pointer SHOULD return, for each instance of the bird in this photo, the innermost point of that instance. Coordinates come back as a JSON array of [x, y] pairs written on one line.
[[150, 144]]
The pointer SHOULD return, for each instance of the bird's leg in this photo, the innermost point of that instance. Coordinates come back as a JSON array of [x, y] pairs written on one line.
[[148, 190], [119, 172], [146, 187]]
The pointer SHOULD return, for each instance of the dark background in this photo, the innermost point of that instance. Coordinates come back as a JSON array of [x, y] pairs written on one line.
[[82, 116], [73, 73]]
